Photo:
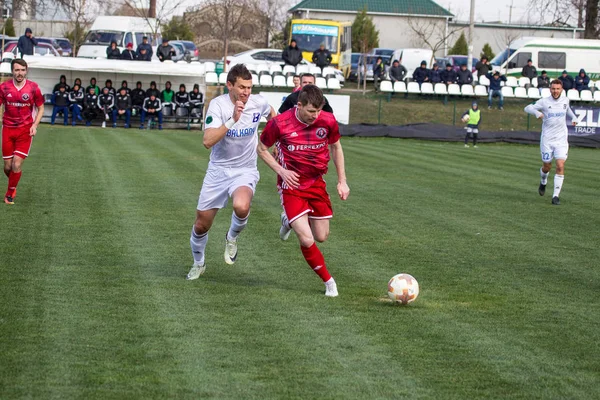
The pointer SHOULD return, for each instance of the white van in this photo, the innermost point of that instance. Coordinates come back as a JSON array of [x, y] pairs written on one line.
[[552, 55], [411, 59], [122, 30]]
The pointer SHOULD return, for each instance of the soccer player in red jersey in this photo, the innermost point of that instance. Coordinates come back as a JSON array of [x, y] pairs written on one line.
[[22, 101], [303, 136]]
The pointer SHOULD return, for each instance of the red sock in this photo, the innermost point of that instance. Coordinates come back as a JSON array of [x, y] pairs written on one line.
[[13, 181], [315, 259]]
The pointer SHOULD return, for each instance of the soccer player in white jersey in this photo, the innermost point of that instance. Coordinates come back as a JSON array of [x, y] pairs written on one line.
[[230, 131], [554, 141]]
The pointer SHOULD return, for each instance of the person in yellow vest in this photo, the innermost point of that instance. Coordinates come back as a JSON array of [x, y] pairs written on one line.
[[473, 118]]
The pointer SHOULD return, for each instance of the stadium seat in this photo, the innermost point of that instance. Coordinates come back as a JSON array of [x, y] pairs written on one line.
[[521, 93], [262, 68], [597, 95], [534, 82], [181, 112], [327, 71], [545, 92], [524, 81], [573, 94], [211, 78], [483, 80], [223, 78], [454, 89], [167, 109], [321, 82], [440, 88], [512, 81], [591, 84], [316, 71], [266, 80], [333, 83], [275, 69], [209, 66], [400, 87], [413, 87], [5, 68], [427, 88], [586, 95], [480, 91], [289, 70], [597, 84], [386, 87], [7, 56], [279, 81], [251, 67], [507, 91], [467, 90], [302, 69], [533, 93], [255, 80], [290, 81]]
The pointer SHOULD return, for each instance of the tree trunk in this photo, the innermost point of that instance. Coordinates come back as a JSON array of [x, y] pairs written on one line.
[[591, 19], [152, 9]]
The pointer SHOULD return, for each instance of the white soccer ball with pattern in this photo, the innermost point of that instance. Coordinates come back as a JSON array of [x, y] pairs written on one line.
[[466, 118], [403, 289]]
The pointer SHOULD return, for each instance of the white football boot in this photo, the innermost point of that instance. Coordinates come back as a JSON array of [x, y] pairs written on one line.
[[230, 251], [285, 230], [331, 288], [197, 270]]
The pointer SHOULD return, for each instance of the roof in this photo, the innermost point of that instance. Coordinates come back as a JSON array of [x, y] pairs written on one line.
[[393, 7], [518, 26]]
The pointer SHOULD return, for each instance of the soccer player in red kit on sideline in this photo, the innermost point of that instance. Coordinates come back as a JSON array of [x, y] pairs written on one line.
[[22, 101], [303, 136]]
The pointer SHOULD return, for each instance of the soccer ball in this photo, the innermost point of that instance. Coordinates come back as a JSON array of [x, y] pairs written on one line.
[[403, 289], [466, 118]]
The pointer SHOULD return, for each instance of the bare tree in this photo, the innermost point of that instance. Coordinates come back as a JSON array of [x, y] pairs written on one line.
[[557, 12], [431, 33], [155, 12], [275, 14]]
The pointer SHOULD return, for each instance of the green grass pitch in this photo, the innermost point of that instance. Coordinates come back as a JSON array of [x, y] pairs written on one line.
[[94, 304]]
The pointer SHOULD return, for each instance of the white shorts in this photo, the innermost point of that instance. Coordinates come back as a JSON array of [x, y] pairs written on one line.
[[220, 183], [472, 130], [554, 150]]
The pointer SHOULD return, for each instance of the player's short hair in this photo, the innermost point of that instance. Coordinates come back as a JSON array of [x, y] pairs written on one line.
[[307, 74], [310, 94], [556, 82], [296, 76], [18, 61], [238, 71]]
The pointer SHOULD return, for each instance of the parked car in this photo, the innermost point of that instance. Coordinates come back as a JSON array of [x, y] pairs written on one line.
[[441, 62], [42, 49], [191, 48], [411, 58], [65, 45], [457, 61], [381, 51], [354, 66], [52, 42], [370, 62]]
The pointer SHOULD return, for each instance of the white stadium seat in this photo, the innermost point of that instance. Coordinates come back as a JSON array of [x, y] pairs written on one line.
[[597, 84], [467, 90], [483, 80], [591, 84], [328, 71], [289, 69], [524, 81], [573, 94], [262, 68], [521, 93], [533, 93], [440, 88], [400, 87], [209, 66], [454, 89], [386, 87], [302, 69], [316, 71], [275, 68], [290, 81], [507, 91], [279, 81], [251, 67], [427, 88], [413, 87], [333, 83], [255, 80], [223, 78], [266, 80], [321, 82], [211, 78], [534, 82], [586, 95], [512, 81], [480, 90], [545, 92], [597, 95]]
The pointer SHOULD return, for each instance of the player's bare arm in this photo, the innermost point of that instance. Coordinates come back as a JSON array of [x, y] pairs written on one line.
[[337, 154], [38, 119], [291, 178]]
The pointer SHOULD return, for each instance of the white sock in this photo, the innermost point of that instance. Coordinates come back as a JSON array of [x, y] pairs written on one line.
[[237, 226], [198, 244], [544, 176], [558, 182]]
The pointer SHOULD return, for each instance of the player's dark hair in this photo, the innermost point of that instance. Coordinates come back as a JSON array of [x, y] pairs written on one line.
[[310, 94], [238, 71], [18, 61], [556, 82], [296, 76]]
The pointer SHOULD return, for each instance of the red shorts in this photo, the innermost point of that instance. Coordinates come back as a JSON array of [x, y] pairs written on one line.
[[313, 201], [16, 141]]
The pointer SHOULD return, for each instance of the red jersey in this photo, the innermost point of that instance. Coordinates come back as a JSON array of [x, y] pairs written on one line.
[[19, 104], [302, 148]]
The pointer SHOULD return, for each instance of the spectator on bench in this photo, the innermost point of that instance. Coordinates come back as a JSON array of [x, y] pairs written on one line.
[[60, 100], [435, 75], [182, 98], [76, 99], [378, 73], [113, 52], [464, 76], [138, 95], [196, 97], [296, 81], [421, 74], [529, 71], [483, 67], [166, 96], [108, 85], [567, 80], [77, 81], [62, 81], [152, 108], [125, 85], [397, 72], [495, 89], [153, 90], [122, 107], [142, 55], [543, 81], [292, 55], [128, 54], [582, 81], [93, 85], [449, 75], [90, 106], [106, 103], [144, 50]]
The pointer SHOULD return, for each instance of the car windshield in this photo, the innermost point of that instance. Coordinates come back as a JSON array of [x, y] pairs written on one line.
[[104, 37], [64, 44], [189, 45], [309, 37], [502, 57], [384, 52]]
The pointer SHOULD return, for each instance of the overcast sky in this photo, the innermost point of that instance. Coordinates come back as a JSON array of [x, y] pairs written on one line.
[[498, 10]]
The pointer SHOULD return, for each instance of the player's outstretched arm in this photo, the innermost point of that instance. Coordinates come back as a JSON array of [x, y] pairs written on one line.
[[289, 177], [338, 160]]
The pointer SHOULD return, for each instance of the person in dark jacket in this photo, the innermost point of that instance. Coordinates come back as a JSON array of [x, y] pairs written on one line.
[[292, 100], [196, 96], [108, 85], [292, 55], [567, 80], [449, 75], [152, 108], [93, 85], [60, 100], [397, 72], [421, 74], [378, 72], [142, 55], [26, 43], [138, 95], [182, 98], [125, 86], [582, 81], [464, 76], [529, 71], [483, 67], [106, 103], [76, 97], [62, 81], [543, 81], [153, 90], [90, 106], [165, 51], [122, 107], [77, 81], [128, 53], [147, 55], [496, 89], [113, 52], [321, 57], [435, 75]]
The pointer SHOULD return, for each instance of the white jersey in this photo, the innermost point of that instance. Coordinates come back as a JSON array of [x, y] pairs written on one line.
[[554, 127], [238, 148]]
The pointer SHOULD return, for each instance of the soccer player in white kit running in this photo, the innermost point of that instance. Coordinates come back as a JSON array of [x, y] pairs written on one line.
[[230, 132], [554, 141]]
